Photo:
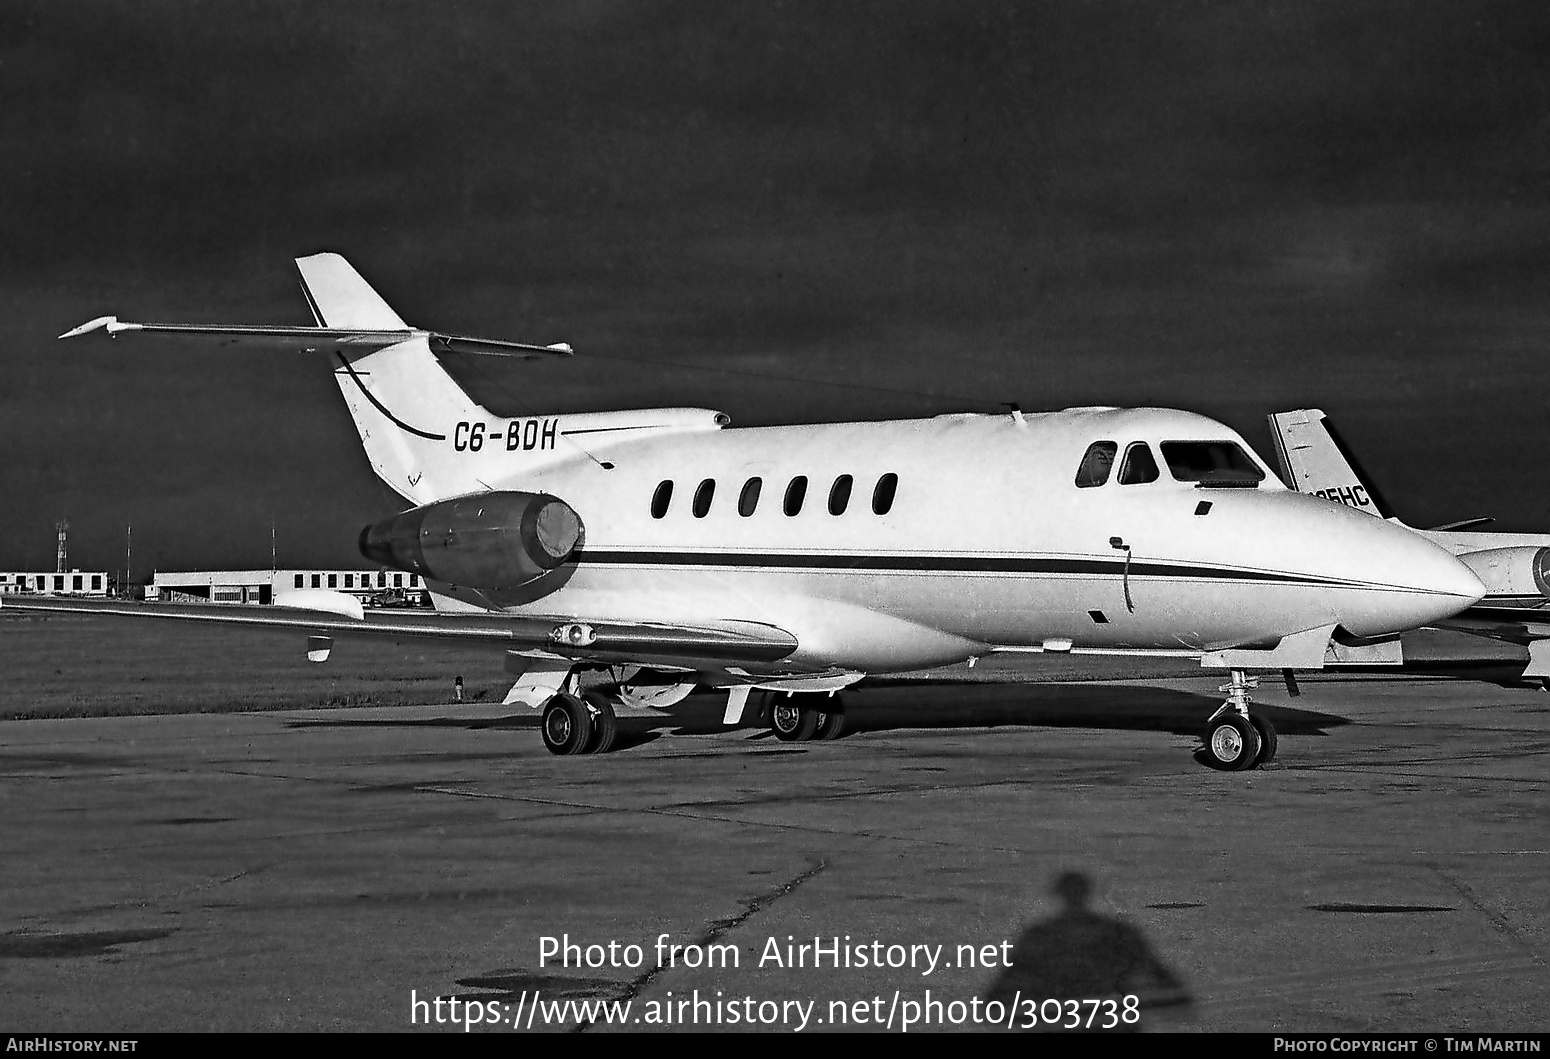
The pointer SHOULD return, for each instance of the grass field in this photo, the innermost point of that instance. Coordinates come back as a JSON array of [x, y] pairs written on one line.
[[79, 666]]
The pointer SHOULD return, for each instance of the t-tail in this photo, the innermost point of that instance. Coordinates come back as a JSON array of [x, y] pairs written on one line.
[[422, 432], [424, 435], [1315, 460]]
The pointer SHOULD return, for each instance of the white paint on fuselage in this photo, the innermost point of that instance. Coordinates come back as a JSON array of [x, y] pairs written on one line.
[[972, 489]]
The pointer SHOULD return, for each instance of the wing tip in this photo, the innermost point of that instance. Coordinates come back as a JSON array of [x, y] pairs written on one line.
[[108, 323]]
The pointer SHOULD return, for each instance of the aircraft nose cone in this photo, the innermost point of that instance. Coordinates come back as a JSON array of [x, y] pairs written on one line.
[[1414, 582]]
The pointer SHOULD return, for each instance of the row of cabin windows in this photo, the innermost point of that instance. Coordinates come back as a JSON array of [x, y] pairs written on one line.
[[1213, 462], [349, 580], [791, 503]]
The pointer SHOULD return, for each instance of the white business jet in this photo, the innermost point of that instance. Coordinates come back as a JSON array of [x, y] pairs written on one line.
[[624, 558], [1514, 567]]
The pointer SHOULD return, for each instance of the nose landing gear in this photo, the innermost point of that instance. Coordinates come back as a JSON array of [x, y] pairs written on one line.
[[1236, 738]]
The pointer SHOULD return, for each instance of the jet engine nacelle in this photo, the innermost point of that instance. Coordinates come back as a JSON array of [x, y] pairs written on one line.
[[490, 540], [1522, 571]]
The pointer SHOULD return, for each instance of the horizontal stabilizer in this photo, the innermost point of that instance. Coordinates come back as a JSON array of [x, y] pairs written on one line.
[[1466, 524], [315, 339]]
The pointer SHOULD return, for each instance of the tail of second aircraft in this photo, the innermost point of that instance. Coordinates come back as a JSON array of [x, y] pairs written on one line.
[[1315, 460]]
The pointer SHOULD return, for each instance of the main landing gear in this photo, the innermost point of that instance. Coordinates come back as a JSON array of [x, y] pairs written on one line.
[[793, 721], [584, 725], [1236, 738]]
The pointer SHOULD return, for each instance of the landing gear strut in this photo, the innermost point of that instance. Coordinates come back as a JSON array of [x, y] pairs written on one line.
[[1236, 738]]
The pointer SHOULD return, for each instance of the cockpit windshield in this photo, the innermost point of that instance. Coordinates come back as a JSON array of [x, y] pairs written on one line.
[[1096, 464], [1211, 463]]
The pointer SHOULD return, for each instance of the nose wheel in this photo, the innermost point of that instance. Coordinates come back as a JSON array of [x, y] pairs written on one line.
[[1236, 738]]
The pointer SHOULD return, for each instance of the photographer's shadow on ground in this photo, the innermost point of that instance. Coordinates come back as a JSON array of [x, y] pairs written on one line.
[[1081, 955]]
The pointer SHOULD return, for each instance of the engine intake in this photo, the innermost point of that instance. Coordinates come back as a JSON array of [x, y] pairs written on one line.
[[492, 540], [1521, 572]]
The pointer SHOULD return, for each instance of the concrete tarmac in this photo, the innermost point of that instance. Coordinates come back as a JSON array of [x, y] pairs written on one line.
[[330, 869]]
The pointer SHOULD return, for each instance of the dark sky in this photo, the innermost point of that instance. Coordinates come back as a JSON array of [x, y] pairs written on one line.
[[786, 211]]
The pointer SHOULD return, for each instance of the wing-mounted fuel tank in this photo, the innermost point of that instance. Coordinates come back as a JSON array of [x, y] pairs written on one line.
[[1518, 573], [493, 541]]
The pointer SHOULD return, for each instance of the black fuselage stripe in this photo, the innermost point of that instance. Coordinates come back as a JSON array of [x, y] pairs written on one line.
[[382, 408], [943, 564]]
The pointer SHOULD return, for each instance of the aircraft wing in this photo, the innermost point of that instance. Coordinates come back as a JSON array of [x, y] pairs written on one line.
[[1520, 625], [712, 645], [312, 339]]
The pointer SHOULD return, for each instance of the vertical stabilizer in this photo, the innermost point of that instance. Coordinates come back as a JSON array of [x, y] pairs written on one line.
[[1315, 460], [340, 298], [405, 405]]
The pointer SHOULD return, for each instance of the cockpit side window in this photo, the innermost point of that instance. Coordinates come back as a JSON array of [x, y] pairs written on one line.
[[1139, 467], [1096, 464], [1211, 463]]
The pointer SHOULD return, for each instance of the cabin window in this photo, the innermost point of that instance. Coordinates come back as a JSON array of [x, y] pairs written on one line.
[[796, 492], [839, 494], [661, 498], [1096, 464], [59, 584], [317, 580], [96, 582], [748, 499], [299, 583], [333, 580], [702, 498], [398, 580], [349, 580], [381, 578], [1139, 467], [1210, 463], [883, 493]]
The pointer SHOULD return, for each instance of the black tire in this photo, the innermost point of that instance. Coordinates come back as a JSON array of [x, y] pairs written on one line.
[[1232, 744], [792, 723], [605, 725], [831, 723], [566, 725], [1267, 739]]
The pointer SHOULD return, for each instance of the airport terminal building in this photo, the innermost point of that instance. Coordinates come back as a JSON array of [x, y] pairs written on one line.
[[381, 588]]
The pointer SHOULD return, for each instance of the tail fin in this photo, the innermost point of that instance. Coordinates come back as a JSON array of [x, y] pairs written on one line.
[[339, 297], [405, 405], [1315, 460]]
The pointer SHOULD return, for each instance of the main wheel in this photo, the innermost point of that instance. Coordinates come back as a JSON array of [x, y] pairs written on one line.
[[567, 725], [790, 722], [1267, 739], [1232, 743], [831, 724], [605, 726]]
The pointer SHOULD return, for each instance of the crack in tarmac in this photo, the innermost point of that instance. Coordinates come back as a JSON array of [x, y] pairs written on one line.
[[718, 928]]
